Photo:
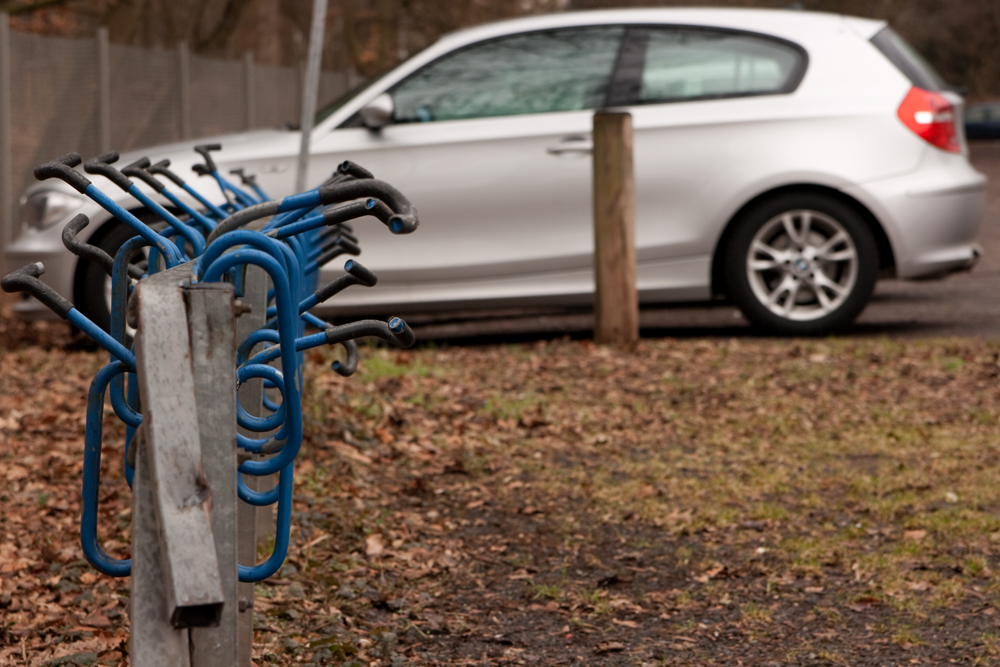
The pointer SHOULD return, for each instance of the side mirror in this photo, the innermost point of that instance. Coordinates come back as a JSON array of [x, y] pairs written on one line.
[[378, 113]]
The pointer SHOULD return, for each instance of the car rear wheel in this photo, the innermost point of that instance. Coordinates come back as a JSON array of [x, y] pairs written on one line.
[[93, 288], [801, 264]]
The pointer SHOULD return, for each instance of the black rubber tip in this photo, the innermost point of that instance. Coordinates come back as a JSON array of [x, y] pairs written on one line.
[[354, 169], [101, 165], [138, 169], [26, 279], [62, 168], [364, 275], [205, 150], [160, 168]]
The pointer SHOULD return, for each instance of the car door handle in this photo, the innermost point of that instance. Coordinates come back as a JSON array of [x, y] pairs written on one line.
[[570, 146]]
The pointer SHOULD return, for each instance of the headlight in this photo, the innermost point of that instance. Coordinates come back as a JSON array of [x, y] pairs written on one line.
[[45, 208]]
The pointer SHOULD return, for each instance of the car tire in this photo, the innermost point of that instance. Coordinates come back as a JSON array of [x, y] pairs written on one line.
[[801, 264], [92, 289]]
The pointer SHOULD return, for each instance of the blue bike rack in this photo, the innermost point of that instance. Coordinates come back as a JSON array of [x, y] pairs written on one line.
[[203, 244]]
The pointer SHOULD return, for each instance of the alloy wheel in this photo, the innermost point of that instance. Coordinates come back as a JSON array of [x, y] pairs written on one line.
[[802, 265]]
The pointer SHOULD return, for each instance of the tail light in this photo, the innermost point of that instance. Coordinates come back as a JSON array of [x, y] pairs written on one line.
[[931, 117]]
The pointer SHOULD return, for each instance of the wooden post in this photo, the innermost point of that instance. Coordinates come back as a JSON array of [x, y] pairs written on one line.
[[616, 303]]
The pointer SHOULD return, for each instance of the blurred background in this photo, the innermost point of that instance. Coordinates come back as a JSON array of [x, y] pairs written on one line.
[[367, 36], [96, 75], [100, 74]]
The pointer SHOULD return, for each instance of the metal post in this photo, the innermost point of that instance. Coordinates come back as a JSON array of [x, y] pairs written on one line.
[[251, 90], [211, 322], [250, 397], [311, 90], [194, 596], [184, 68], [616, 305], [7, 223], [104, 89]]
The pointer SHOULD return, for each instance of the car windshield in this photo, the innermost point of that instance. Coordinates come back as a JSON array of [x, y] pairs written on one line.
[[338, 103]]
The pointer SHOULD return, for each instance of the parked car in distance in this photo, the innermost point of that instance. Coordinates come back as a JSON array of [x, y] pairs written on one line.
[[783, 159], [982, 121]]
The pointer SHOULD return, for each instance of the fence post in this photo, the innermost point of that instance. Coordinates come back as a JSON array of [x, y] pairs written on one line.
[[104, 89], [616, 304], [6, 170], [184, 68], [251, 90]]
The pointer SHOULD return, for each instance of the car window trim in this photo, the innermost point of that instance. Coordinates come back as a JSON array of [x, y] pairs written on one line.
[[627, 80], [930, 81]]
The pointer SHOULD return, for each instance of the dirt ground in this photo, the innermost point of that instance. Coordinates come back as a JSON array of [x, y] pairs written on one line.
[[721, 502]]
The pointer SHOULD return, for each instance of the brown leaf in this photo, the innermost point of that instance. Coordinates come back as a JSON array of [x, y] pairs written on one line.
[[914, 534], [96, 620], [609, 647], [626, 623], [373, 546], [349, 452], [863, 603], [718, 570]]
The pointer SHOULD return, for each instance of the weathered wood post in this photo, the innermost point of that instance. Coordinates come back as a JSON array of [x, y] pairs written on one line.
[[616, 302]]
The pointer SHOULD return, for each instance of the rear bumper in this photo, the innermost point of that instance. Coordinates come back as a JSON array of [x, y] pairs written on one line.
[[931, 216]]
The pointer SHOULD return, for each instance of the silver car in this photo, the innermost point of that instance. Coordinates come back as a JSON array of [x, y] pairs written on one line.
[[784, 160]]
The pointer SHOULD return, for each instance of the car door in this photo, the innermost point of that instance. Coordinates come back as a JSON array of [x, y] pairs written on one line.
[[491, 143], [701, 100]]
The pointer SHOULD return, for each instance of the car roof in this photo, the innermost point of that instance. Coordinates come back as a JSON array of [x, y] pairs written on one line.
[[793, 25]]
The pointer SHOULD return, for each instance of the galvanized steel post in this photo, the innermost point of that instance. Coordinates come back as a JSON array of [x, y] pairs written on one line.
[[311, 91], [254, 306]]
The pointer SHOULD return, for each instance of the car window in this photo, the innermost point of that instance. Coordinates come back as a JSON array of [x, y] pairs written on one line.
[[680, 63], [537, 72], [977, 115], [908, 60]]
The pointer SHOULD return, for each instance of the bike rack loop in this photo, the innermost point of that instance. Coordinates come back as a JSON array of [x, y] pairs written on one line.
[[194, 429]]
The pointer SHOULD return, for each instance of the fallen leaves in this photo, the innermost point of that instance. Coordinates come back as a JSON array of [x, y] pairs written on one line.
[[716, 571], [556, 500], [373, 546], [609, 647], [863, 603]]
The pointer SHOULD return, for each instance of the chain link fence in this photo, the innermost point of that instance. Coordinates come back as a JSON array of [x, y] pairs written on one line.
[[150, 97]]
